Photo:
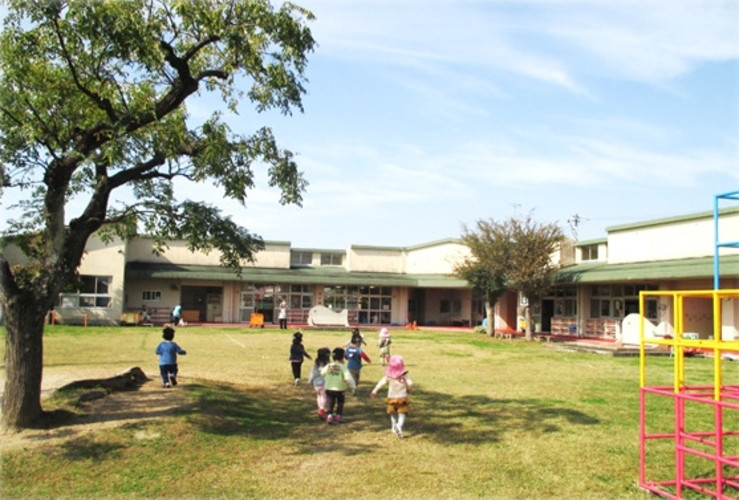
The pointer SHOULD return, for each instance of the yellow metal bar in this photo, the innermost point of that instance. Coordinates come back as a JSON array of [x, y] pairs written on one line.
[[717, 353], [642, 352], [679, 344]]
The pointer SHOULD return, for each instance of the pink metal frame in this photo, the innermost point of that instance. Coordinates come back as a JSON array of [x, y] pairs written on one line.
[[718, 446], [726, 412]]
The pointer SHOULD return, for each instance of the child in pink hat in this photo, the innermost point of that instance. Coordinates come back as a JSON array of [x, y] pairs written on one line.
[[399, 387], [384, 344]]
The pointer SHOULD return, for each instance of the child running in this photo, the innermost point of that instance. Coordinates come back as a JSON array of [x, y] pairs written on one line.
[[354, 356], [338, 380], [318, 380], [297, 353], [384, 344], [168, 351], [356, 335], [397, 393]]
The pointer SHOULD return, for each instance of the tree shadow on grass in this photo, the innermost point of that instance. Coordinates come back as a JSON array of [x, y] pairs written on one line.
[[87, 448], [289, 412], [481, 419], [260, 413]]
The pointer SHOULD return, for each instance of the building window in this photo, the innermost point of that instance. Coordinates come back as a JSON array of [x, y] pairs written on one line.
[[301, 296], [341, 297], [261, 298], [331, 258], [298, 258], [248, 303], [600, 308], [93, 292], [450, 307], [266, 299], [589, 252], [372, 303], [618, 301], [565, 301], [375, 305], [151, 295]]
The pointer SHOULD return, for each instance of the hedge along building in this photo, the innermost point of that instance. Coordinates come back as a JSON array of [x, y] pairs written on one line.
[[597, 286]]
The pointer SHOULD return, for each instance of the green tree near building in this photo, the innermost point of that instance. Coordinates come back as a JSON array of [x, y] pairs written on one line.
[[92, 104], [532, 267], [490, 244], [515, 254]]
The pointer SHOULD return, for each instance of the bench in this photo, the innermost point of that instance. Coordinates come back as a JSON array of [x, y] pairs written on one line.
[[507, 334]]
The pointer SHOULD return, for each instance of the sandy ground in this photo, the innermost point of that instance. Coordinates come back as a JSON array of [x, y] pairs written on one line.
[[113, 410]]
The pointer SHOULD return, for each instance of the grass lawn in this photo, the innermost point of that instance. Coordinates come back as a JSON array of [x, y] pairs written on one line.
[[489, 418]]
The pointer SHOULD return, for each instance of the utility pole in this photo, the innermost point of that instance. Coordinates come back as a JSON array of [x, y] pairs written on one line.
[[574, 223]]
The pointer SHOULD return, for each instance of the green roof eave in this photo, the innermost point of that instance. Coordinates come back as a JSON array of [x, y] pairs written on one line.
[[599, 272], [595, 241], [303, 275]]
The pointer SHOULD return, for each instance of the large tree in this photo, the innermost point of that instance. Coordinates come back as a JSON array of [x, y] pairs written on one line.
[[514, 254], [485, 269], [532, 267], [92, 103]]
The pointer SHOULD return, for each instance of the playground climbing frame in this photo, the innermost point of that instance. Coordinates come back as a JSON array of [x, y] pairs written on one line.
[[697, 452]]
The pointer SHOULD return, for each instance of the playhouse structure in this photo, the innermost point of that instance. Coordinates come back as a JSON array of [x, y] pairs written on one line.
[[696, 452]]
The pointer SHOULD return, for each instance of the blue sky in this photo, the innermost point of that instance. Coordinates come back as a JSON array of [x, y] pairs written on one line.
[[422, 116]]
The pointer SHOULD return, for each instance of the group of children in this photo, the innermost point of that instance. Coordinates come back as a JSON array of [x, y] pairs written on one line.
[[330, 376]]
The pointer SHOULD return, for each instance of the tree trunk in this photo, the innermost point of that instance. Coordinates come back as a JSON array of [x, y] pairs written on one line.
[[24, 325], [490, 315], [529, 325]]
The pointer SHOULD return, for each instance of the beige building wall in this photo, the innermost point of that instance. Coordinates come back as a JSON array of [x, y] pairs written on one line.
[[602, 251], [274, 255], [374, 259], [730, 318], [433, 299], [100, 259], [435, 258], [675, 238], [169, 289]]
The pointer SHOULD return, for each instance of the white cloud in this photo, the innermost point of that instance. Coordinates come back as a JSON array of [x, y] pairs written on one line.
[[650, 40]]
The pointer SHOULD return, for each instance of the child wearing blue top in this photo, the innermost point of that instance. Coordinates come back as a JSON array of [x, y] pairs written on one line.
[[354, 356], [168, 351]]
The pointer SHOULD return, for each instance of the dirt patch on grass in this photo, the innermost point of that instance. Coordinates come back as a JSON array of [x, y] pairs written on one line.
[[98, 409]]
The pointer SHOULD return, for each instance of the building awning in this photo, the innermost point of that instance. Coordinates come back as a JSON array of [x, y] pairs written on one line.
[[297, 276], [602, 272]]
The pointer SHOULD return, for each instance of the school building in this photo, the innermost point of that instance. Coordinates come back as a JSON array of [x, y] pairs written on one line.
[[597, 286]]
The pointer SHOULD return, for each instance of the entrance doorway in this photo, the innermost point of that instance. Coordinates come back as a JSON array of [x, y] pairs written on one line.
[[547, 312], [417, 306], [204, 303]]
